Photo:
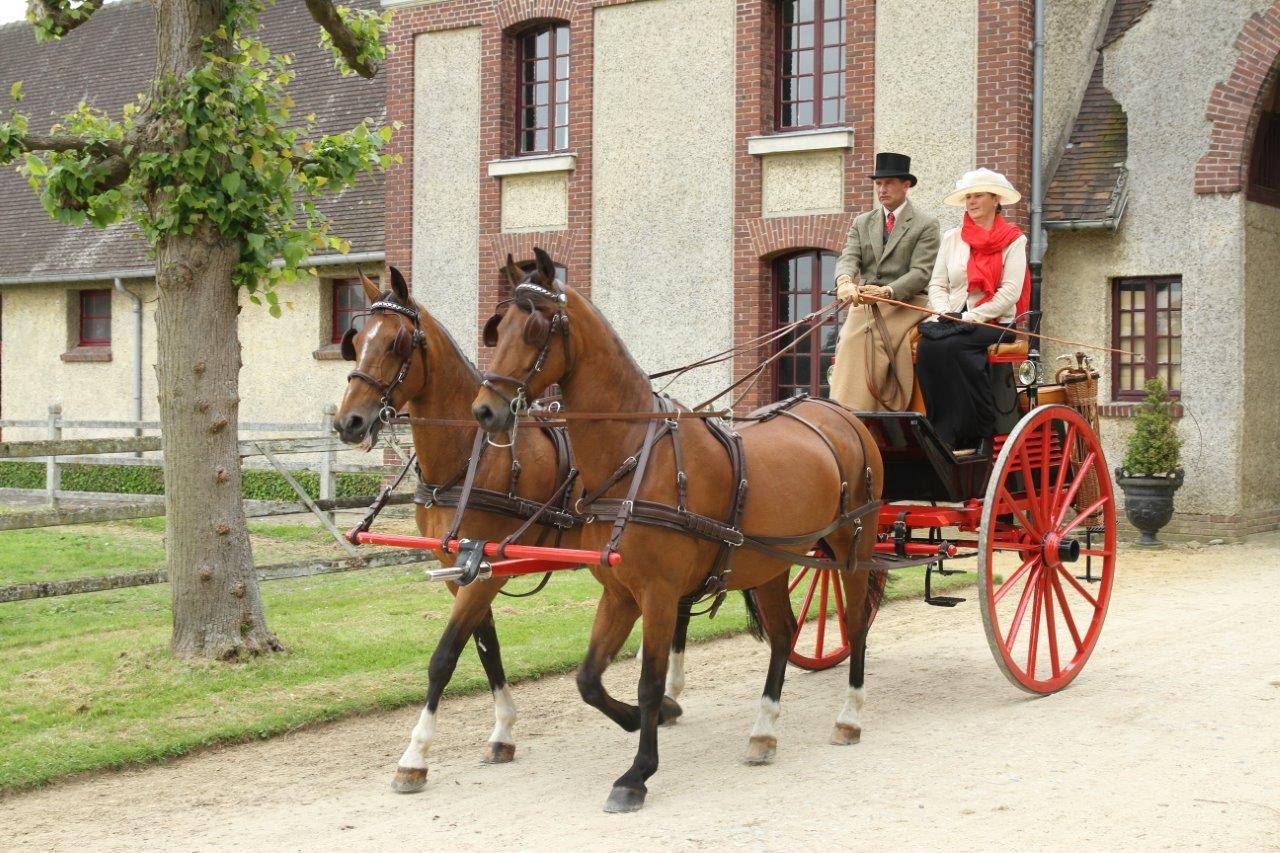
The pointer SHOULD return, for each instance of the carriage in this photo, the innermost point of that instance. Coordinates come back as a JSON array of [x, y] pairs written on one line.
[[1038, 515]]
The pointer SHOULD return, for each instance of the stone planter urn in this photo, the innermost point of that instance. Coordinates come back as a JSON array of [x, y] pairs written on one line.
[[1148, 502]]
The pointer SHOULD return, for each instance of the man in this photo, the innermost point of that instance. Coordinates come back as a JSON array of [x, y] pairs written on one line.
[[890, 252]]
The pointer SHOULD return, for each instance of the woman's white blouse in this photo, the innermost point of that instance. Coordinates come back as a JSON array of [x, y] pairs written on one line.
[[949, 286]]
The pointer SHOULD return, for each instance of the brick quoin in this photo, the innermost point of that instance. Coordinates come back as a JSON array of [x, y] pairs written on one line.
[[1235, 104], [1005, 31]]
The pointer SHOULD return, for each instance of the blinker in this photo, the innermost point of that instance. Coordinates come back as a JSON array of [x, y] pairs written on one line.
[[349, 344]]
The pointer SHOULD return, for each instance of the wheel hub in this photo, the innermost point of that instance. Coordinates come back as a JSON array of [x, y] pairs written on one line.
[[1059, 549]]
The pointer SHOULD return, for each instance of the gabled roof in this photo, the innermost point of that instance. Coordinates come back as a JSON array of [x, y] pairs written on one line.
[[106, 63], [1089, 186]]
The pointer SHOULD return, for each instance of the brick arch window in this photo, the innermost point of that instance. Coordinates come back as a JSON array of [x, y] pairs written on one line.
[[810, 59], [542, 88], [798, 281], [1264, 164]]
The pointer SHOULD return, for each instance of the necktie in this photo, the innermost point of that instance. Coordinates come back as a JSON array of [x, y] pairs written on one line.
[[888, 223]]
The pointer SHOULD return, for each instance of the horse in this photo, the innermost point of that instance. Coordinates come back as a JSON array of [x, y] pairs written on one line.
[[807, 462], [405, 357]]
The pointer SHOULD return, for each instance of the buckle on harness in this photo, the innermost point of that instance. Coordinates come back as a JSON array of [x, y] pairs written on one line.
[[471, 561], [900, 534]]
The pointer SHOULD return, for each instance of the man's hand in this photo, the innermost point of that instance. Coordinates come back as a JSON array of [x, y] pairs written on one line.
[[883, 292], [847, 289]]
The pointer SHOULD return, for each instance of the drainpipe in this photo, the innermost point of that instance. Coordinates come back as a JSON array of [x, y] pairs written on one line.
[[1038, 238], [137, 354]]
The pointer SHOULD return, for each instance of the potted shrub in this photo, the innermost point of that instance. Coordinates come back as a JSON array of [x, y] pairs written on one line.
[[1149, 473]]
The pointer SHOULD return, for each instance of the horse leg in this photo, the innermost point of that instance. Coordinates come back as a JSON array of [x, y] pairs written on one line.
[[671, 709], [861, 595], [772, 604], [660, 616], [616, 614], [470, 609], [502, 746]]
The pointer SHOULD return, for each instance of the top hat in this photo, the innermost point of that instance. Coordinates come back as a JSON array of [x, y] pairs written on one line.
[[893, 166]]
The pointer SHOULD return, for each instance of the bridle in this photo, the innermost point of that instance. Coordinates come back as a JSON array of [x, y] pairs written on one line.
[[404, 345], [539, 330]]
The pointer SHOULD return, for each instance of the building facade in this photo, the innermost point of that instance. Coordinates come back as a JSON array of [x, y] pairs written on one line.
[[694, 165]]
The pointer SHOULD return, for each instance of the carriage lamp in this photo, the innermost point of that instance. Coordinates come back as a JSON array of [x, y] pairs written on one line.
[[1026, 373]]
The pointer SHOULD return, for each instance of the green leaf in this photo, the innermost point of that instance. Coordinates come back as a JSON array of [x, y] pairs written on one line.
[[231, 182], [15, 91], [36, 166]]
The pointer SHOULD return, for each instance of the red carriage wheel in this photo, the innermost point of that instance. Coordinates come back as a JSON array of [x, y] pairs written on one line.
[[817, 595], [1048, 486]]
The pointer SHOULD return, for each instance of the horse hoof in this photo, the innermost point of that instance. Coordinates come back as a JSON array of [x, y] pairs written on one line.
[[624, 800], [499, 753], [669, 712], [409, 780], [761, 749], [844, 734]]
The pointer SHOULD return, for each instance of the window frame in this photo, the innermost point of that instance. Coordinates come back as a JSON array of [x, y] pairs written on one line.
[[818, 72], [84, 296], [553, 81], [1151, 368], [817, 385], [340, 329]]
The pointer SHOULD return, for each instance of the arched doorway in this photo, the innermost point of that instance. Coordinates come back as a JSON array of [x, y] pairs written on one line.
[[799, 279]]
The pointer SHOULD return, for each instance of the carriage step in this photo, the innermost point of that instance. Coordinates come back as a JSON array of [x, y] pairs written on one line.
[[943, 600]]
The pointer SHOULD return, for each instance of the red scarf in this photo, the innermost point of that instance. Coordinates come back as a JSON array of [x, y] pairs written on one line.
[[986, 258]]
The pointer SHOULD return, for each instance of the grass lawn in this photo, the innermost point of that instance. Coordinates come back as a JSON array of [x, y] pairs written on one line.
[[86, 681]]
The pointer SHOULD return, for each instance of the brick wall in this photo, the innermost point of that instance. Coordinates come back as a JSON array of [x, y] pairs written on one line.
[[1005, 32], [1235, 103]]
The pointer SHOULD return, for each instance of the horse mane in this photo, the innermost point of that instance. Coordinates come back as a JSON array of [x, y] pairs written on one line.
[[424, 314]]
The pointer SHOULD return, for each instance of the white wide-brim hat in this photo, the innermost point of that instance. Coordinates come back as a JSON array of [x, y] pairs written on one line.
[[983, 181]]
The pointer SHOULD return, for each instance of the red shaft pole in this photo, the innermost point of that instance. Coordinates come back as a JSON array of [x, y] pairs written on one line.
[[567, 556]]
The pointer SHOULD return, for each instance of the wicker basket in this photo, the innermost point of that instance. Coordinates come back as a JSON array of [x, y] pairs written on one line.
[[1080, 384]]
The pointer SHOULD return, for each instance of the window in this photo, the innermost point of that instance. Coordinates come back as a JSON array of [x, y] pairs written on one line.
[[349, 305], [798, 283], [95, 318], [1147, 320], [811, 63], [542, 90], [1264, 165]]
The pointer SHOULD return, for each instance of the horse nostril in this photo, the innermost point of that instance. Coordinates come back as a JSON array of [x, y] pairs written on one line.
[[482, 413], [354, 423]]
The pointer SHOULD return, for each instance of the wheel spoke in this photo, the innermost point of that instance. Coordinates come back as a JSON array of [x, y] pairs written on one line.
[[1050, 629], [841, 612], [1021, 611], [1013, 578], [1046, 496], [1007, 499], [1036, 604], [808, 599], [1067, 446], [795, 582], [1095, 552], [1092, 508], [822, 615], [1021, 547], [1075, 583], [1066, 610], [1076, 482], [1028, 485]]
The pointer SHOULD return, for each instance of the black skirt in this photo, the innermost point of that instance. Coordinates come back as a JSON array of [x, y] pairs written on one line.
[[955, 380]]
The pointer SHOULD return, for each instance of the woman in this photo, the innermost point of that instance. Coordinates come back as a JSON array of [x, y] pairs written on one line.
[[981, 275]]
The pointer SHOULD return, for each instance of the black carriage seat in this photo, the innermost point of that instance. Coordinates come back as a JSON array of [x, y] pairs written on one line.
[[1002, 358], [918, 465]]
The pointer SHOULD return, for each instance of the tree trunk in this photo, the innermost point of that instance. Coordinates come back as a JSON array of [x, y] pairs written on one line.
[[217, 608]]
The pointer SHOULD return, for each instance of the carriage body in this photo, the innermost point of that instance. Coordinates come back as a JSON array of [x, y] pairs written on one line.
[[1037, 515]]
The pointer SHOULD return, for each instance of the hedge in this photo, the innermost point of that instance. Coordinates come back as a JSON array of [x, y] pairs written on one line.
[[138, 480]]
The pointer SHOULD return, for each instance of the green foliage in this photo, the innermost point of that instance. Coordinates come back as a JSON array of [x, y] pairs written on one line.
[[72, 14], [13, 129], [139, 480], [218, 147], [368, 27], [1154, 445]]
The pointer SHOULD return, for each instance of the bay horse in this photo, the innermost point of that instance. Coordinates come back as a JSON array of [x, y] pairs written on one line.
[[806, 463], [405, 357]]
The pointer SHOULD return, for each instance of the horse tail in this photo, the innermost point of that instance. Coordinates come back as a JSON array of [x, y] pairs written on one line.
[[877, 582], [754, 624]]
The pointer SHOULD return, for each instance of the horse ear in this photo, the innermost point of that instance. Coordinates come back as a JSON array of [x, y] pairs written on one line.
[[546, 266], [371, 290], [399, 286], [513, 272]]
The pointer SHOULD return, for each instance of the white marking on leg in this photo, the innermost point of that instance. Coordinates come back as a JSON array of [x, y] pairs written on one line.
[[767, 719], [850, 714], [675, 675], [415, 755], [504, 714]]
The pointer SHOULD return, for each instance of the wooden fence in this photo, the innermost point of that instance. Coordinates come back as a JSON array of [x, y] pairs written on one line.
[[55, 451]]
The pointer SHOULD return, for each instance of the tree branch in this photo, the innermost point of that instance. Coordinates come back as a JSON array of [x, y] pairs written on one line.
[[58, 17], [46, 142], [326, 15]]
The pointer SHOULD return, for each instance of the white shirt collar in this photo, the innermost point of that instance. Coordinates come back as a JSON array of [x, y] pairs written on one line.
[[897, 212]]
